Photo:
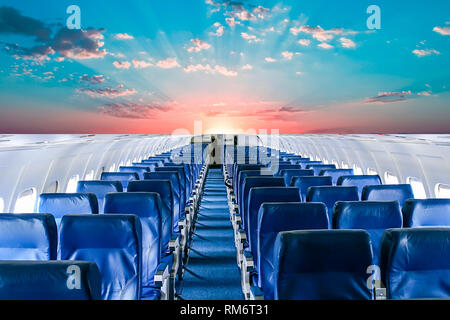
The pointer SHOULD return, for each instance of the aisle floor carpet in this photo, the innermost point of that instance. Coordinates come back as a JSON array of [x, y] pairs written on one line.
[[211, 272]]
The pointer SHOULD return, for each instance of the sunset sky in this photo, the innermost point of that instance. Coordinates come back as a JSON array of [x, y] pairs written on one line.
[[156, 66]]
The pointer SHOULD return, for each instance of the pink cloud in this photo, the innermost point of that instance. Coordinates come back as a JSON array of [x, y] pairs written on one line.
[[445, 31], [287, 55], [247, 67], [168, 63], [198, 46], [249, 37], [108, 92], [122, 64], [141, 64], [304, 42], [347, 43], [426, 52], [123, 36], [269, 59], [211, 70], [325, 45]]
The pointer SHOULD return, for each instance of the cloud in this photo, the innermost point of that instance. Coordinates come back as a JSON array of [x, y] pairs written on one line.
[[198, 46], [232, 22], [389, 97], [135, 111], [13, 22], [426, 52], [108, 92], [319, 33], [347, 43], [211, 70], [96, 79], [247, 67], [141, 64], [269, 59], [249, 37], [168, 63], [123, 36], [220, 30], [445, 31], [325, 45], [304, 42], [291, 109], [122, 64], [79, 44], [287, 55]]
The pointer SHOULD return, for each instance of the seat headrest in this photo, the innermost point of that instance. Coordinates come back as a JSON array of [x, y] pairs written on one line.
[[99, 186], [139, 170], [335, 174], [318, 167], [303, 183], [304, 164], [150, 166], [114, 243], [60, 204], [399, 192], [158, 162], [162, 187], [123, 177], [359, 181], [28, 237], [322, 264], [277, 169], [414, 263], [426, 213], [142, 204], [287, 174], [48, 280], [173, 176], [367, 215]]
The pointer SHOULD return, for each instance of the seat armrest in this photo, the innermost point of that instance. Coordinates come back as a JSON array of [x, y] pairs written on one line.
[[242, 237], [174, 242], [256, 293], [248, 260], [162, 278]]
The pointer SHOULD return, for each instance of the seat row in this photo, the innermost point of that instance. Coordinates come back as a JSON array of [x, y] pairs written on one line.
[[135, 246], [254, 193]]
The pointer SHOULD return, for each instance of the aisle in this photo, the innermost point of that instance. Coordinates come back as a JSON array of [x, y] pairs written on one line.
[[212, 272]]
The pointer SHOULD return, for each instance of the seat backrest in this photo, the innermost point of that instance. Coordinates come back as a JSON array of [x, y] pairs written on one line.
[[28, 237], [252, 182], [249, 173], [277, 169], [304, 164], [303, 183], [426, 213], [151, 166], [318, 167], [155, 228], [287, 174], [113, 242], [322, 265], [399, 192], [335, 174], [242, 167], [139, 170], [274, 217], [174, 178], [330, 195], [359, 181], [60, 204], [100, 189], [373, 216], [164, 189], [183, 181], [257, 197], [123, 177], [415, 263], [157, 162], [50, 280]]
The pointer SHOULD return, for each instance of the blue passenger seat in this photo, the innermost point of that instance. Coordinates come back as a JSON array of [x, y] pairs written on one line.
[[388, 192], [139, 170], [335, 174], [303, 183], [426, 213], [319, 167], [123, 177], [359, 181], [100, 189], [287, 174]]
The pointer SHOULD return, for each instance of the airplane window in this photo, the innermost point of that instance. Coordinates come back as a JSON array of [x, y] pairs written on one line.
[[2, 205], [26, 201], [128, 163], [442, 190], [89, 175], [52, 187], [112, 168], [72, 185], [344, 165], [357, 170], [389, 178], [418, 188], [371, 171], [121, 164]]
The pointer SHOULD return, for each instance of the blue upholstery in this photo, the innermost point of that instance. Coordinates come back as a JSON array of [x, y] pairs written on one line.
[[113, 242], [322, 265], [373, 216], [157, 162], [151, 166], [399, 192], [287, 174], [123, 177], [257, 197], [183, 182], [60, 204], [249, 173], [318, 167], [47, 280], [303, 183], [174, 178], [139, 170], [304, 164], [164, 189], [277, 169], [330, 195], [28, 237], [335, 174], [100, 189], [359, 181], [156, 229], [252, 182], [242, 167], [415, 263], [274, 218], [426, 213]]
